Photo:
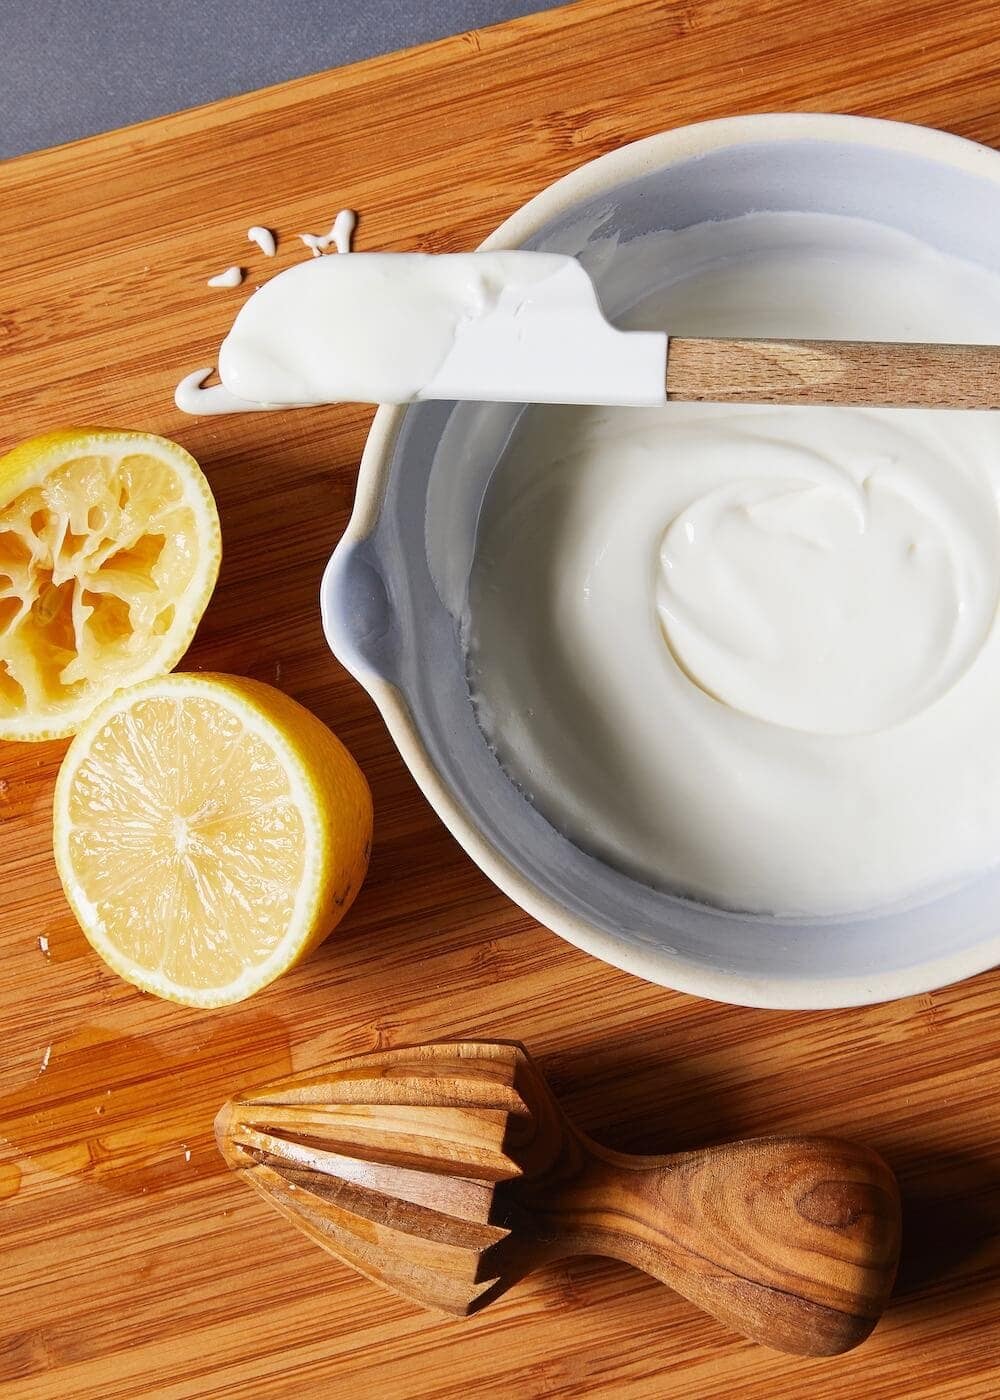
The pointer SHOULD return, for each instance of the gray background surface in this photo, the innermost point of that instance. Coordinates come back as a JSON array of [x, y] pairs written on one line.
[[72, 67]]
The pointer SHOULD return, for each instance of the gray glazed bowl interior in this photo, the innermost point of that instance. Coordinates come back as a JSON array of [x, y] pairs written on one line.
[[386, 621]]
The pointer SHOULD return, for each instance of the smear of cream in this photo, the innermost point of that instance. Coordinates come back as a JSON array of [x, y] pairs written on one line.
[[232, 277], [340, 235], [264, 238], [190, 397]]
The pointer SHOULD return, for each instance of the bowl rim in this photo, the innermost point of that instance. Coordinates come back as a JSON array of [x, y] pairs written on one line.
[[656, 965]]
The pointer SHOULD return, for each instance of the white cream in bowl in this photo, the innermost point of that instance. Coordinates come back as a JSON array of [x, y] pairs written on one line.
[[752, 655]]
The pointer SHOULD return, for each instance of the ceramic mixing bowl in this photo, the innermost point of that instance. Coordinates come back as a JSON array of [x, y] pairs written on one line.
[[410, 542]]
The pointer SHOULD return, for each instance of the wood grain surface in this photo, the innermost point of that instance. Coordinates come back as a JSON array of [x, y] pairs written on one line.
[[833, 372], [132, 1262]]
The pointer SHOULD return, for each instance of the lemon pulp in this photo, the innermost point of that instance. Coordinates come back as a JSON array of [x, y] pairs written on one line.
[[109, 551]]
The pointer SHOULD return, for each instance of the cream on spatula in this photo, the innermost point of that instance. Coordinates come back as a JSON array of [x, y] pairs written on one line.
[[528, 328]]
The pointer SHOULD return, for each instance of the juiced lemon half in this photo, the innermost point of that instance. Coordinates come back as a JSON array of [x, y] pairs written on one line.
[[109, 551], [209, 832]]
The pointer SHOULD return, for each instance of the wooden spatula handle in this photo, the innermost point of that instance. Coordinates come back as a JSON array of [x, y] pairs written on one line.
[[834, 372], [791, 1241]]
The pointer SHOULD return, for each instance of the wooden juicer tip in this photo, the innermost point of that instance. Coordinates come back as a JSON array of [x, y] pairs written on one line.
[[449, 1171]]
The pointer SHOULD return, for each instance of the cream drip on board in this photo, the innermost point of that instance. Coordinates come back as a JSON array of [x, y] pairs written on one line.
[[264, 239], [340, 235], [752, 655], [232, 277]]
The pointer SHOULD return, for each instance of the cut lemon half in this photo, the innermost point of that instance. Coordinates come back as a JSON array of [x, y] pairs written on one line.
[[209, 832], [109, 551]]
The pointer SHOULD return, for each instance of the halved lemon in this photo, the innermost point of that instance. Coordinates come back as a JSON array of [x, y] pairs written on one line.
[[209, 832], [109, 551]]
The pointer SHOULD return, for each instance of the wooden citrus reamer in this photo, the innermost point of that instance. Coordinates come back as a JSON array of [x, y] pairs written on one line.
[[449, 1171]]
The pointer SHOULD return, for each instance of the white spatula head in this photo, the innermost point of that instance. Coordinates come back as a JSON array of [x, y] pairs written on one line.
[[396, 327]]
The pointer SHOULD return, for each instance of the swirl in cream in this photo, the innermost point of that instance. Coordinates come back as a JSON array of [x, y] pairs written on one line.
[[835, 589]]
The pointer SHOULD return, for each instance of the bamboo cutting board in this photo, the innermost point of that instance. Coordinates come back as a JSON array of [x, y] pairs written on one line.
[[131, 1263]]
